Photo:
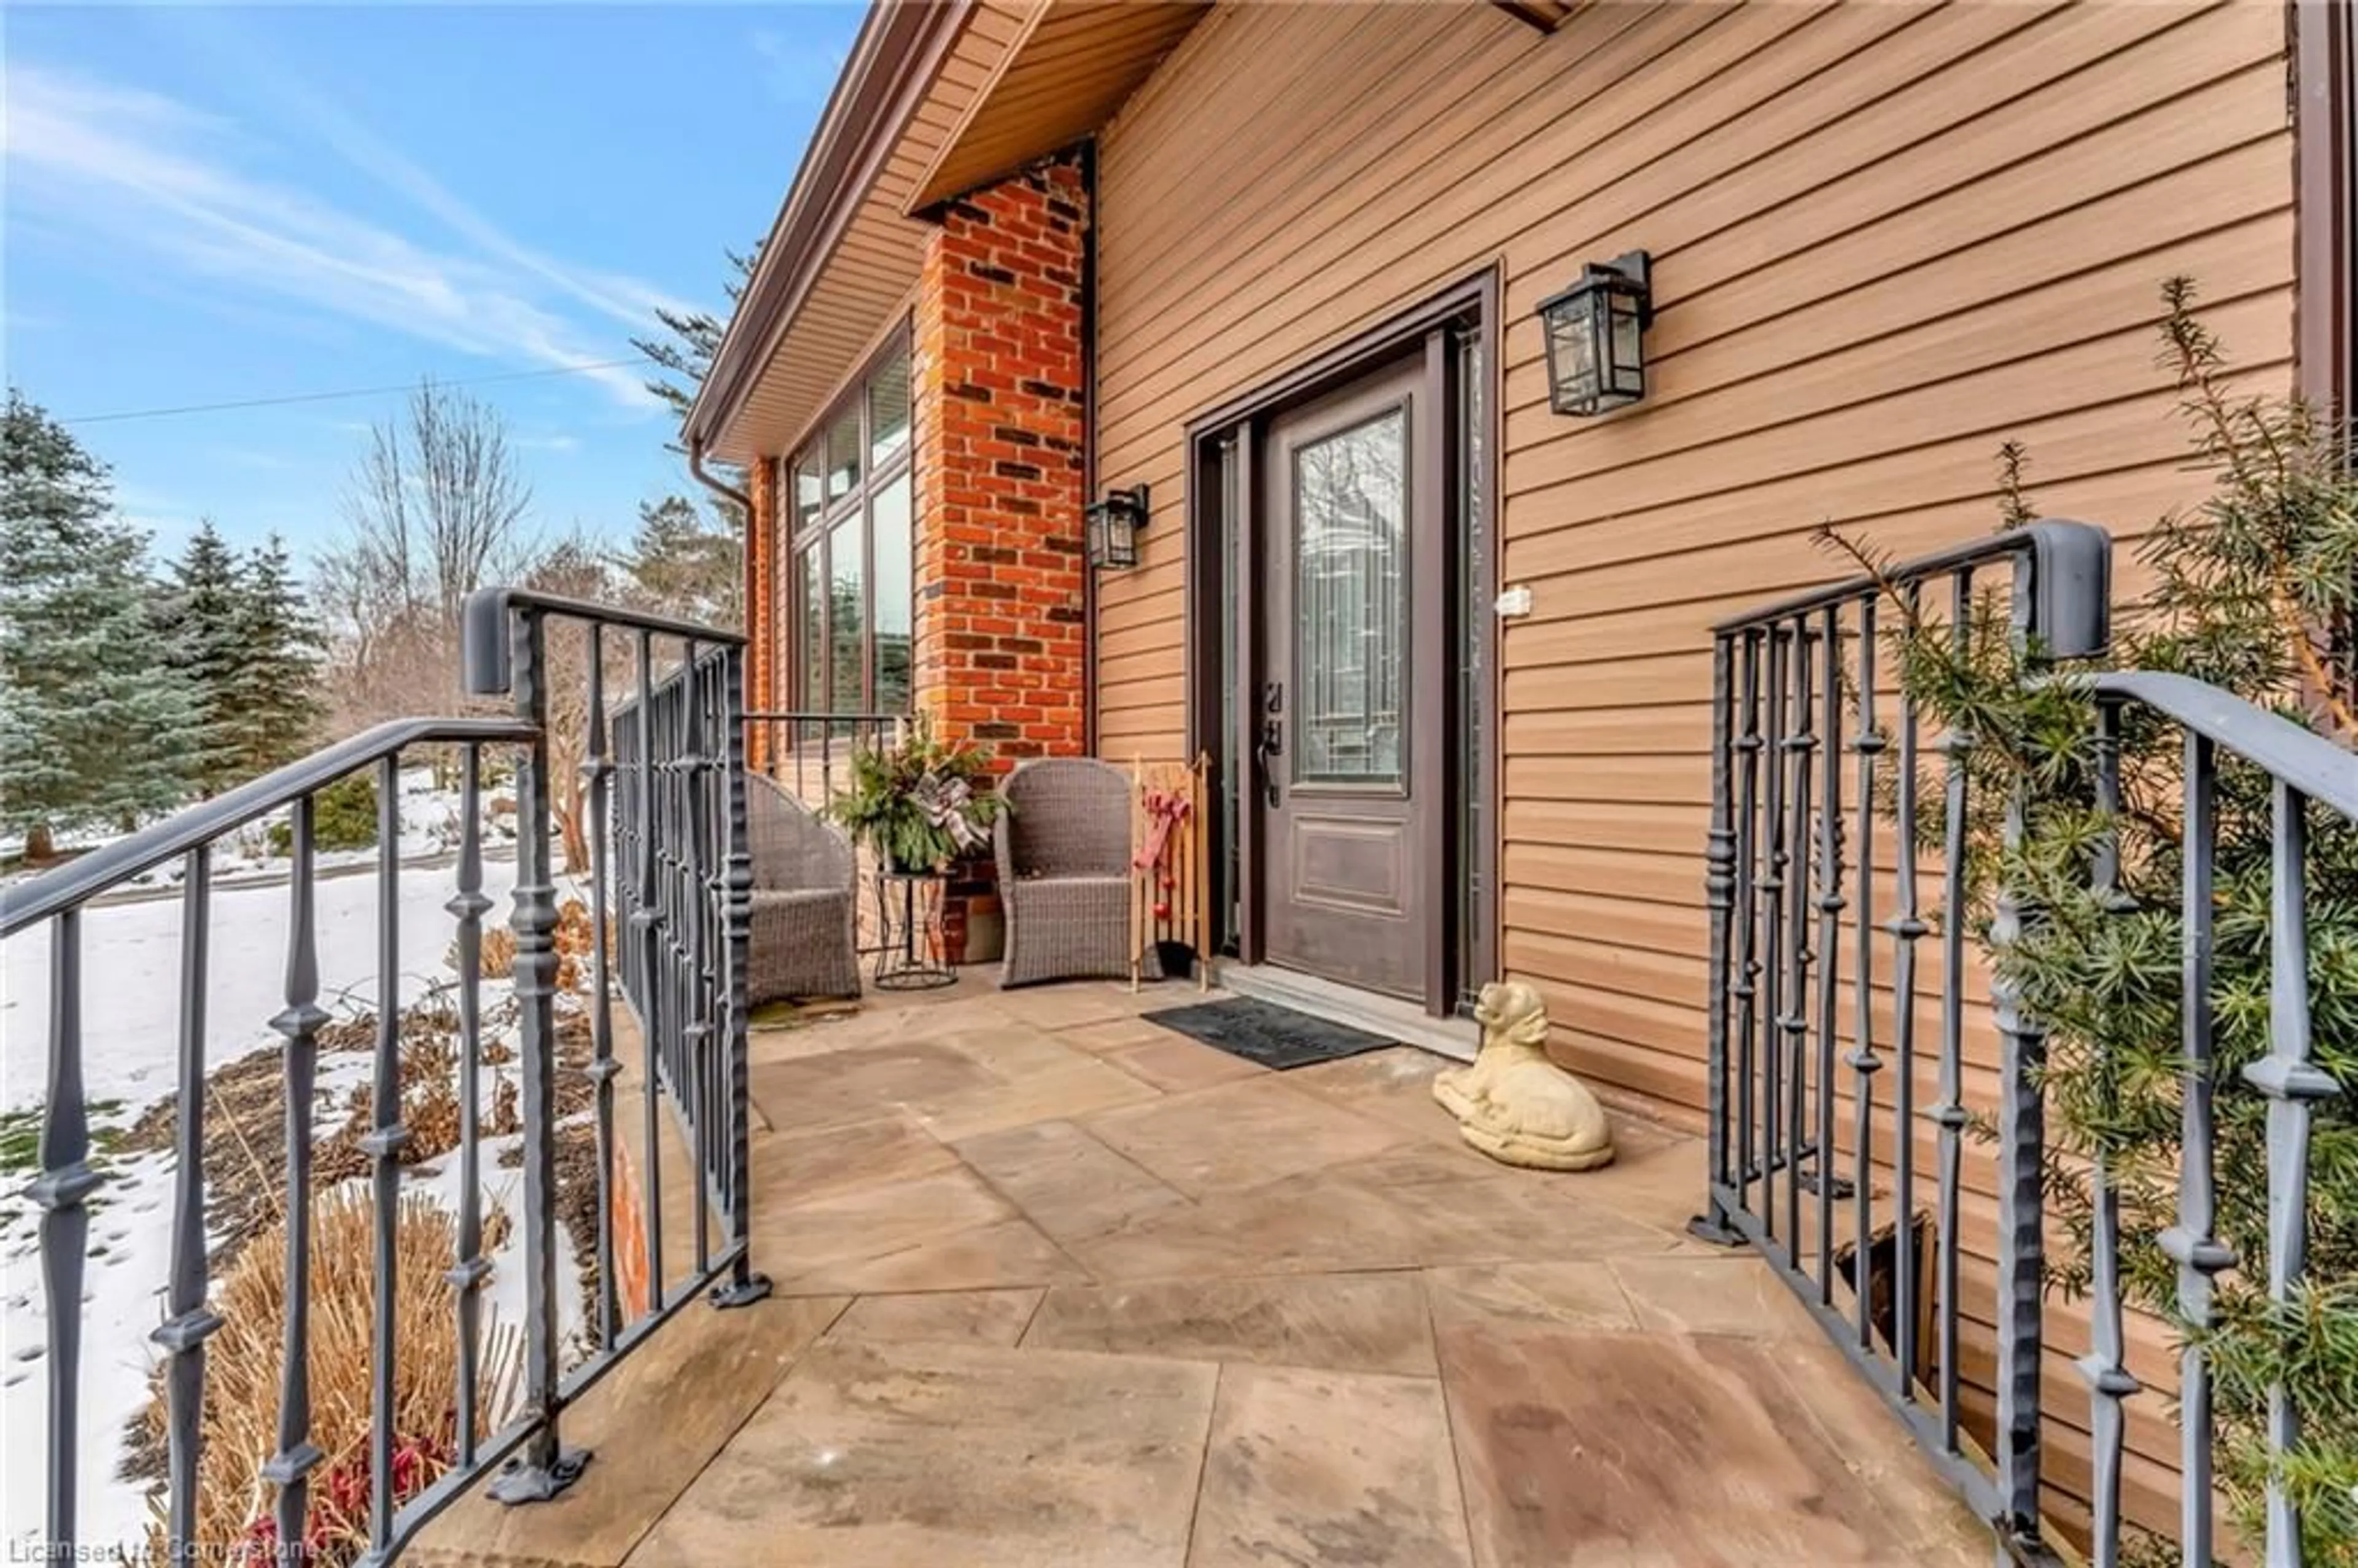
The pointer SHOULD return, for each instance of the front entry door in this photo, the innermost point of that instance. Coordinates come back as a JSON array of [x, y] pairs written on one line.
[[1342, 756]]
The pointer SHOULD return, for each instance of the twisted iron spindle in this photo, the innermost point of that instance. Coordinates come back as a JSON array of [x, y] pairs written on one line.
[[1772, 902], [695, 1038], [1830, 903], [471, 1268], [545, 1467], [1719, 894], [383, 1145], [289, 1468], [1747, 980], [1803, 745], [1907, 929], [2293, 1085], [744, 1285], [647, 926], [2103, 1369], [2190, 1242], [1862, 1059], [62, 1191], [190, 1322], [1948, 1113], [597, 769]]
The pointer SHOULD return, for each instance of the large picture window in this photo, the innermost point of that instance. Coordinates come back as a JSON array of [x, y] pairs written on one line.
[[849, 550]]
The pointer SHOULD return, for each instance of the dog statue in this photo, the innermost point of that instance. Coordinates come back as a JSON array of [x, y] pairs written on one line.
[[1515, 1105]]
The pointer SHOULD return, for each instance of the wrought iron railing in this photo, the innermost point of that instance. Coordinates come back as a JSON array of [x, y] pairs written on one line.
[[1795, 685], [684, 814], [810, 753]]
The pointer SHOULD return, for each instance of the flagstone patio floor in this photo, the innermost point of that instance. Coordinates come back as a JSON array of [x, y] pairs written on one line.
[[1056, 1286]]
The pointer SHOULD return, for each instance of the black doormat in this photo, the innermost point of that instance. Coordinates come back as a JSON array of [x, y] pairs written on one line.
[[1263, 1032]]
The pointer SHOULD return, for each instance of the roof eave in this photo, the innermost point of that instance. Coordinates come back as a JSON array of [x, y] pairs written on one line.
[[900, 46]]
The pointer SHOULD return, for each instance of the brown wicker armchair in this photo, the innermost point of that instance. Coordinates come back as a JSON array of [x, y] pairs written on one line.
[[1063, 870], [803, 940]]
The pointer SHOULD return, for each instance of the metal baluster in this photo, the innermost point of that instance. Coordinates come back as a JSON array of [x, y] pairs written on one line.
[[1772, 898], [1908, 928], [1719, 888], [289, 1468], [646, 924], [597, 769], [2108, 1379], [744, 1285], [694, 1039], [1949, 1114], [2293, 1085], [1803, 743], [2022, 1165], [545, 1467], [1863, 1060], [384, 1143], [1830, 903], [2190, 1242], [471, 1268], [192, 1323], [62, 1191], [1747, 963]]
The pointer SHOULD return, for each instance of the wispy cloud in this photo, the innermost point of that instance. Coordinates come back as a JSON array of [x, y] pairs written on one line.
[[159, 175], [796, 72], [559, 443]]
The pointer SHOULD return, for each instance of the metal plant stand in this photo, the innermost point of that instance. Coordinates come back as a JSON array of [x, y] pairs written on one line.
[[910, 954]]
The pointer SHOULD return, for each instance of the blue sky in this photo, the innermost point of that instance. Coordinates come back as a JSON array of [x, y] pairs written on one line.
[[208, 204]]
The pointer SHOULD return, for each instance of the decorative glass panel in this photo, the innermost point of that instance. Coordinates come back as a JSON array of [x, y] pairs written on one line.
[[888, 411], [847, 617], [807, 491], [843, 453], [1350, 602], [889, 528], [810, 599]]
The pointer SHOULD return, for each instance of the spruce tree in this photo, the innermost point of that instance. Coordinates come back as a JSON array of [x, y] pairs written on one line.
[[278, 704], [92, 725], [2252, 591], [201, 617], [682, 567]]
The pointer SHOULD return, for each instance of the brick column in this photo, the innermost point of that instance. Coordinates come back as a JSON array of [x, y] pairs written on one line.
[[997, 372]]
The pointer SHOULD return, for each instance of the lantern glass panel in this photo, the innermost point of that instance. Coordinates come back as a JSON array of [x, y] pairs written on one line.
[[1625, 349], [1571, 353]]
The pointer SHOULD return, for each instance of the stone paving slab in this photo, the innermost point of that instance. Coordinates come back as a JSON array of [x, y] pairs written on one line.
[[1059, 1288]]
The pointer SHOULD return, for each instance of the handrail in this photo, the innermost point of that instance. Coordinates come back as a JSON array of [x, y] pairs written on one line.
[[87, 876], [484, 650], [2302, 758], [2070, 595]]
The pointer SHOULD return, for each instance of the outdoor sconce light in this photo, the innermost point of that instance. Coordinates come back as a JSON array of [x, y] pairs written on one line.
[[1595, 337], [1113, 526]]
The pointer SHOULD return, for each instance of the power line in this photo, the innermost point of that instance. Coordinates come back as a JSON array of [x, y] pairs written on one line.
[[351, 392]]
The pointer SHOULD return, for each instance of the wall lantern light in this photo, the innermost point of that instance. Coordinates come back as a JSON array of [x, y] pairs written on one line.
[[1595, 337], [1113, 526]]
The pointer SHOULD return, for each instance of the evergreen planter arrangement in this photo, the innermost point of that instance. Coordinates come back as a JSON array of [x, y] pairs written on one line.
[[917, 803]]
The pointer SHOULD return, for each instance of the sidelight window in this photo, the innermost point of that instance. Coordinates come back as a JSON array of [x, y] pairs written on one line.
[[850, 553]]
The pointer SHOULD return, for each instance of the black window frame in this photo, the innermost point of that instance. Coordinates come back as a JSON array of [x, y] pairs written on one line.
[[813, 540]]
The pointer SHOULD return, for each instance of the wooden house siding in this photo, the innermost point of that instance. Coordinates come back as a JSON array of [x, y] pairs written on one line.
[[1885, 238]]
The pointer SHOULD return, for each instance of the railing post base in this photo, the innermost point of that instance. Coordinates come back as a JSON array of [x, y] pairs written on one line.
[[520, 1482], [1711, 1226], [743, 1290]]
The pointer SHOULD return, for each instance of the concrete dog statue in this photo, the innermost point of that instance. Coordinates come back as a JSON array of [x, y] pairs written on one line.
[[1514, 1103]]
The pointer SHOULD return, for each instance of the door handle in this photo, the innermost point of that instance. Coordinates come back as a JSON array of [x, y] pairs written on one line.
[[1270, 745]]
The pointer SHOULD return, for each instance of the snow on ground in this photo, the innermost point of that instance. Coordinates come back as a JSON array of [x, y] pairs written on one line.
[[131, 963]]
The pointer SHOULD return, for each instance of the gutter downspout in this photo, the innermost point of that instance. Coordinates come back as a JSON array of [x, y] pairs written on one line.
[[1088, 440], [744, 504], [757, 648]]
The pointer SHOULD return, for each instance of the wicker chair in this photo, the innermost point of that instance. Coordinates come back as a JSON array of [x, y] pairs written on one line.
[[1063, 870], [803, 941]]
